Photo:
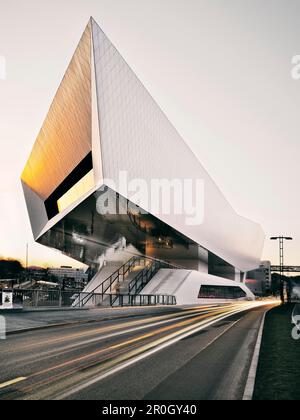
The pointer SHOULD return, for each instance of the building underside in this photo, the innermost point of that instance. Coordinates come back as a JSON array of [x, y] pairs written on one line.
[[85, 235]]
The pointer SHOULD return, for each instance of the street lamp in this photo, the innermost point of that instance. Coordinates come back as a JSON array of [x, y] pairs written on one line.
[[281, 240]]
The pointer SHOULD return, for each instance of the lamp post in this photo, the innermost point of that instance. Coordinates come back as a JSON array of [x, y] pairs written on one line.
[[26, 263], [281, 240]]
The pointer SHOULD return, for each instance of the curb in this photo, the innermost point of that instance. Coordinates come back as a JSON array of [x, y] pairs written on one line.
[[10, 311], [250, 385], [38, 310]]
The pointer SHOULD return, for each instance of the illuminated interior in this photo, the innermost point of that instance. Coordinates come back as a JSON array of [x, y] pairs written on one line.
[[77, 191]]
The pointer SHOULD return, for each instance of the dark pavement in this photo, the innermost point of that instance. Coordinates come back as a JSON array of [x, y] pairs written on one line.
[[191, 353]]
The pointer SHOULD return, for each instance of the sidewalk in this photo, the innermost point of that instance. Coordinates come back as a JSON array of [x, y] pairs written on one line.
[[45, 318], [279, 364]]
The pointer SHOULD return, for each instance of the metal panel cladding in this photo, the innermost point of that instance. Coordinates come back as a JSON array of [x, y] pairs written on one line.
[[66, 136]]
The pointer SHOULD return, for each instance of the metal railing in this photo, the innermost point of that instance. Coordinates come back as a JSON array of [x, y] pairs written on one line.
[[152, 267], [118, 276], [59, 299], [123, 300], [144, 277], [142, 300], [45, 298]]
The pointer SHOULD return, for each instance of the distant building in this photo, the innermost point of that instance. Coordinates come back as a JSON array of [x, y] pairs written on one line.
[[295, 288], [259, 281], [36, 273], [6, 283], [69, 277]]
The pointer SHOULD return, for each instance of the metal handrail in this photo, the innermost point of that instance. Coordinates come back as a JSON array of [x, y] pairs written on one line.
[[112, 279], [143, 278], [59, 298], [142, 300], [122, 271]]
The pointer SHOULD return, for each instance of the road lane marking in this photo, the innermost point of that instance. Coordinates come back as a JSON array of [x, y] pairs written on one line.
[[12, 382], [181, 335], [250, 385]]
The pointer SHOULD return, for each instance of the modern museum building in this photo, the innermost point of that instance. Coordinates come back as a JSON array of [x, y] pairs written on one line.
[[111, 183]]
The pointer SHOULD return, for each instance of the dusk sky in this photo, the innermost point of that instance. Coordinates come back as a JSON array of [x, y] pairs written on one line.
[[219, 69]]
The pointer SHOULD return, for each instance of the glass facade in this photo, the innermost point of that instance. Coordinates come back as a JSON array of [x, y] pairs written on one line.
[[85, 235], [218, 267], [221, 292]]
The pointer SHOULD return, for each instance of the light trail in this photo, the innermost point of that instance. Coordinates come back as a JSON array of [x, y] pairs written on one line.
[[67, 348], [152, 348], [82, 371], [118, 327], [126, 346], [122, 345]]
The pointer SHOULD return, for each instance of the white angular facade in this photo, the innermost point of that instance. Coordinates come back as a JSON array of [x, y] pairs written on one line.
[[103, 121]]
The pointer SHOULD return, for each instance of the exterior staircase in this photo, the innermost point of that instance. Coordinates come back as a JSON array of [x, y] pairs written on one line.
[[124, 284]]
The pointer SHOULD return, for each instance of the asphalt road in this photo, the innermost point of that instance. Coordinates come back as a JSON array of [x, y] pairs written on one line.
[[190, 354]]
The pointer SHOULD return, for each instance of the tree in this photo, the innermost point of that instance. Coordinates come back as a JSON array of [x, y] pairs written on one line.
[[10, 269]]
